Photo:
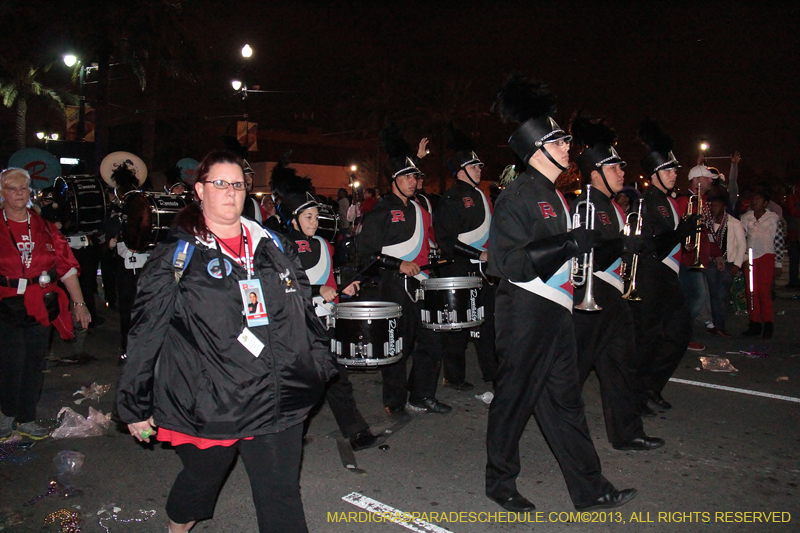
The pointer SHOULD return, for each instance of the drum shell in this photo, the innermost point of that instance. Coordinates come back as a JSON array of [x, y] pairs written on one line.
[[451, 304], [148, 218], [82, 204], [367, 334]]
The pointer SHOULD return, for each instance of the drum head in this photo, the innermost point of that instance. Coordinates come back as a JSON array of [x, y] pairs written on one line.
[[82, 204]]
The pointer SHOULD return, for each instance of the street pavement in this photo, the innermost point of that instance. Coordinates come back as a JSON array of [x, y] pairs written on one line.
[[726, 452]]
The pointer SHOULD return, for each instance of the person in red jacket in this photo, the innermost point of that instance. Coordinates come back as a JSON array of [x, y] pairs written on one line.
[[34, 257]]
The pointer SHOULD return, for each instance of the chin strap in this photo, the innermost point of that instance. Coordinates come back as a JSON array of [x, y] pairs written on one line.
[[472, 181], [658, 177], [394, 182], [552, 160], [605, 182]]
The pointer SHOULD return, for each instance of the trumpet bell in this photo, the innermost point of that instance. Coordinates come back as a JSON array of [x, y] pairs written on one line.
[[589, 306], [632, 296]]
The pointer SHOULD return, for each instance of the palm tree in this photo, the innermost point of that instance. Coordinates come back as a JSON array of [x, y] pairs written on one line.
[[20, 84]]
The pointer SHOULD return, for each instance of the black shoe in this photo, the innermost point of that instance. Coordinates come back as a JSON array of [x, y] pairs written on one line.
[[464, 386], [516, 503], [364, 440], [647, 412], [769, 329], [615, 498], [753, 330], [641, 444], [658, 400], [397, 414], [429, 405]]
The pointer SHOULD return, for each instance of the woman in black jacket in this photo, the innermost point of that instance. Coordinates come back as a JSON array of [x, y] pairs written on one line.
[[213, 379]]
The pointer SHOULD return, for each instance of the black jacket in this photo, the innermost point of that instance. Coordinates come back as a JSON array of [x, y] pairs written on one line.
[[463, 210], [187, 368]]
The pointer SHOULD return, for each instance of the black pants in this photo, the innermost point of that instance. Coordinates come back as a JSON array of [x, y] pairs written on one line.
[[423, 345], [538, 376], [126, 292], [607, 345], [273, 466], [88, 259], [662, 324], [109, 266], [339, 393], [454, 360], [23, 352]]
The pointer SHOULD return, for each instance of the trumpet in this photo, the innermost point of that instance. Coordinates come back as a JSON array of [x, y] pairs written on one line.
[[693, 242], [632, 294], [582, 272]]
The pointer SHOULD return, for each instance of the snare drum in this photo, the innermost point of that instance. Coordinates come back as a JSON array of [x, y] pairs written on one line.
[[148, 217], [82, 204], [451, 304], [367, 334]]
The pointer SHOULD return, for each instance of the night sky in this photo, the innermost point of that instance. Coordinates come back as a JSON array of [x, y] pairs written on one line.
[[717, 71]]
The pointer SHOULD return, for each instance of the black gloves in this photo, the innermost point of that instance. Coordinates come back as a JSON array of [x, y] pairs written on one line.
[[688, 226], [586, 239]]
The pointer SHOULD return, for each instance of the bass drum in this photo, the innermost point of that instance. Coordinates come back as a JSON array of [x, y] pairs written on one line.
[[328, 223], [451, 304], [82, 204], [147, 218], [366, 334]]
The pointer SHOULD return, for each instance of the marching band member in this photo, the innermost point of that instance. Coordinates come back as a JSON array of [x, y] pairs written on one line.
[[530, 246], [661, 319], [316, 257], [461, 221], [396, 235], [605, 339]]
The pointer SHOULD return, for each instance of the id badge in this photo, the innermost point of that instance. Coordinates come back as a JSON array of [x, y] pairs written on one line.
[[253, 302], [251, 342]]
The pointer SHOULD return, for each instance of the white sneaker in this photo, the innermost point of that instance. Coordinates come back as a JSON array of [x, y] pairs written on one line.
[[6, 426], [32, 430]]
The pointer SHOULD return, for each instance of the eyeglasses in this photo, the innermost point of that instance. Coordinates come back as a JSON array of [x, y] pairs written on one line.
[[223, 185], [561, 143]]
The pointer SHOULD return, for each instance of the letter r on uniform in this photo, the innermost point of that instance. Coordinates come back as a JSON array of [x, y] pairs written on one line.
[[547, 210], [398, 216]]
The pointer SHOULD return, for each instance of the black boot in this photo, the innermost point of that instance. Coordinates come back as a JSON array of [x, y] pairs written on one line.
[[754, 330], [768, 330]]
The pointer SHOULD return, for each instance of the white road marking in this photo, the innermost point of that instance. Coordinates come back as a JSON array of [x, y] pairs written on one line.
[[733, 389], [403, 518]]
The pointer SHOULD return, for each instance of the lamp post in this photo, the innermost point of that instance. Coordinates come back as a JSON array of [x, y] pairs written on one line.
[[70, 61]]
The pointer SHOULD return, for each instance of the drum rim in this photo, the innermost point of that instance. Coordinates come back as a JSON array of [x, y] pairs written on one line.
[[367, 310], [458, 282]]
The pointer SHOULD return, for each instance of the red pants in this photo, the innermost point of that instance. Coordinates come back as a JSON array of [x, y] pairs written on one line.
[[763, 275]]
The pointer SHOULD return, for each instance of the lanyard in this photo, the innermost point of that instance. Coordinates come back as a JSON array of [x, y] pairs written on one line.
[[14, 239], [246, 253]]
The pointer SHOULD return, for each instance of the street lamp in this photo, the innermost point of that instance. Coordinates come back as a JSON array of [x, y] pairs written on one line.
[[703, 146], [353, 168], [236, 84], [247, 51]]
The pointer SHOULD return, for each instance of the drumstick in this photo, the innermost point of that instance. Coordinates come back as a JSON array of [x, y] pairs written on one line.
[[436, 264], [358, 276]]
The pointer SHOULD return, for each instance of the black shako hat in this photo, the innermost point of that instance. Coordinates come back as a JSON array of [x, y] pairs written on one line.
[[530, 104], [596, 139], [463, 147], [402, 159], [659, 144], [294, 191]]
